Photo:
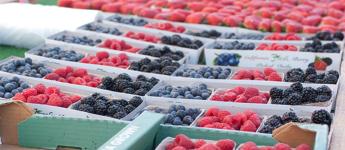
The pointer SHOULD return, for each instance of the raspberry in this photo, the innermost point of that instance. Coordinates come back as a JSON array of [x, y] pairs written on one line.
[[274, 77], [241, 99], [102, 54], [43, 98], [198, 143], [227, 119], [236, 121], [303, 147], [19, 97], [213, 111], [225, 144], [249, 113], [40, 88], [268, 71], [184, 141], [255, 119], [52, 76], [80, 72], [33, 99], [248, 146], [62, 79], [282, 146], [251, 92], [79, 81], [243, 117], [179, 148], [52, 90], [170, 146], [238, 90], [68, 70], [75, 98], [265, 95], [66, 101], [205, 121], [29, 92], [230, 96], [256, 99], [208, 147], [266, 148], [248, 126], [123, 56], [222, 114], [61, 72], [92, 84], [55, 100]]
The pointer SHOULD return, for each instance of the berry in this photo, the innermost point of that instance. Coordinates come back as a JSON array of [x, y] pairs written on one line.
[[55, 100], [297, 87], [276, 93], [289, 117], [225, 144], [282, 146], [184, 141], [294, 99], [321, 117], [198, 143], [135, 101], [248, 126], [19, 97], [81, 39], [97, 27]]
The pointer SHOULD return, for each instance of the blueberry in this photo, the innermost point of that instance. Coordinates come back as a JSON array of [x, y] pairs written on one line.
[[9, 87], [187, 120], [177, 121], [174, 94], [8, 95], [24, 85], [15, 91], [189, 96], [181, 113], [180, 107], [169, 118], [20, 89], [205, 95], [2, 89], [198, 97], [2, 94]]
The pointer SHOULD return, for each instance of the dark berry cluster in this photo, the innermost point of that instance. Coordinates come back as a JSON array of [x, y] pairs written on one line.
[[124, 83], [227, 59], [199, 92], [317, 46], [162, 65], [162, 52], [101, 105], [207, 34], [327, 36], [244, 36], [58, 53], [296, 94], [205, 72], [181, 41], [178, 114], [101, 29], [129, 21], [311, 76], [82, 40], [25, 67], [276, 121], [321, 117], [235, 45], [12, 86]]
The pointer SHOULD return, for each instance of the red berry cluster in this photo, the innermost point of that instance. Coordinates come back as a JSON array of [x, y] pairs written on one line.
[[142, 36], [41, 94], [222, 119], [278, 146], [241, 95], [166, 26], [268, 74], [77, 76], [182, 142], [119, 45], [288, 37], [103, 58], [276, 47]]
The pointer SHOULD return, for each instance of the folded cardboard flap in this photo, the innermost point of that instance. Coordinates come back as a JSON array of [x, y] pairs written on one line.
[[293, 135], [11, 114]]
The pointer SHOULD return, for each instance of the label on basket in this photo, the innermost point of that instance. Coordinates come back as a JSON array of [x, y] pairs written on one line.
[[282, 60]]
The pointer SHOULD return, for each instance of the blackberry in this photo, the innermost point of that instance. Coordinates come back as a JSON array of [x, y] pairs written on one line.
[[322, 98], [141, 78], [120, 114], [287, 92], [140, 92], [100, 107], [120, 85], [267, 129], [86, 108], [294, 99], [279, 101], [338, 36], [297, 87], [333, 72], [321, 117], [129, 90], [88, 101], [324, 90], [135, 101], [309, 94], [276, 93], [166, 39], [129, 108], [330, 79], [124, 76], [311, 78], [310, 70], [274, 121], [153, 80], [122, 102], [289, 117]]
